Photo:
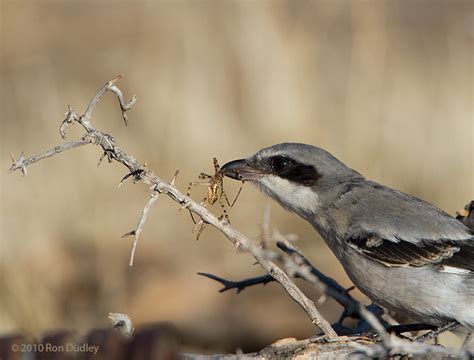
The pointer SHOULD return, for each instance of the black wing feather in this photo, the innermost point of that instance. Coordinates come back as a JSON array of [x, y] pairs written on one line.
[[463, 259], [404, 253]]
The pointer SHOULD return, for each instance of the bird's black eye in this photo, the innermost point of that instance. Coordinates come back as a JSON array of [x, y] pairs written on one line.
[[279, 163]]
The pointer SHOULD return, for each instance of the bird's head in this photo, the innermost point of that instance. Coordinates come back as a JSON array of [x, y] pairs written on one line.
[[302, 178]]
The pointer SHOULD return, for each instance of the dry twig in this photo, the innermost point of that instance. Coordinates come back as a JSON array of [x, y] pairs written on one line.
[[138, 229], [239, 285]]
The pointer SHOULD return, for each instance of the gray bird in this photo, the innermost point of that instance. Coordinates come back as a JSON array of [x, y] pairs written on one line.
[[402, 252]]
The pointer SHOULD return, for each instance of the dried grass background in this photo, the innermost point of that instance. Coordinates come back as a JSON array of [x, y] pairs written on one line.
[[386, 86]]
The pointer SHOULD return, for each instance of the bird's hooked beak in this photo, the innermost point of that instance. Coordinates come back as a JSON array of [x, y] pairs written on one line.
[[241, 170]]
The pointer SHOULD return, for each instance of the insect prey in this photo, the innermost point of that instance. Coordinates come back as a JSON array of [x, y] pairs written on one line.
[[215, 193]]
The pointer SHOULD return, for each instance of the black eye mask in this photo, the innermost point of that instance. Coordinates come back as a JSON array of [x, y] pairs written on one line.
[[293, 171]]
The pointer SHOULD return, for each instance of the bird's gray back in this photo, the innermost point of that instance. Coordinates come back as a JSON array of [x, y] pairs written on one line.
[[396, 216]]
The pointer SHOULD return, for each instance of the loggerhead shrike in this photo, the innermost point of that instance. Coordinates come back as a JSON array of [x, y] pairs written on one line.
[[402, 252]]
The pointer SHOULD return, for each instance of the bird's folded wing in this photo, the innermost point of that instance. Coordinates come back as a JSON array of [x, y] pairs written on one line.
[[445, 256], [397, 229]]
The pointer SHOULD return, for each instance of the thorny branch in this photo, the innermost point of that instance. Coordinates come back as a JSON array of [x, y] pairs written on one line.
[[289, 249], [345, 300], [241, 284], [22, 162], [137, 231], [141, 173]]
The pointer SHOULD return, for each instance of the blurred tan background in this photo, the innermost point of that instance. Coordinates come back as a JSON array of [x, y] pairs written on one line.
[[386, 86]]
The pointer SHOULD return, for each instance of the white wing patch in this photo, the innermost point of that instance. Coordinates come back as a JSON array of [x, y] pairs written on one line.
[[453, 270]]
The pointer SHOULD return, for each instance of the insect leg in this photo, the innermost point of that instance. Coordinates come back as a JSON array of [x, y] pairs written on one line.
[[204, 176], [224, 211], [203, 225], [236, 196], [216, 165], [188, 192], [196, 183]]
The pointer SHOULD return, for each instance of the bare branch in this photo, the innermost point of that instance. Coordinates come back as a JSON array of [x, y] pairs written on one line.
[[239, 285], [22, 162], [450, 325], [110, 86], [402, 347], [345, 300], [108, 144], [138, 229], [297, 265], [291, 249]]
